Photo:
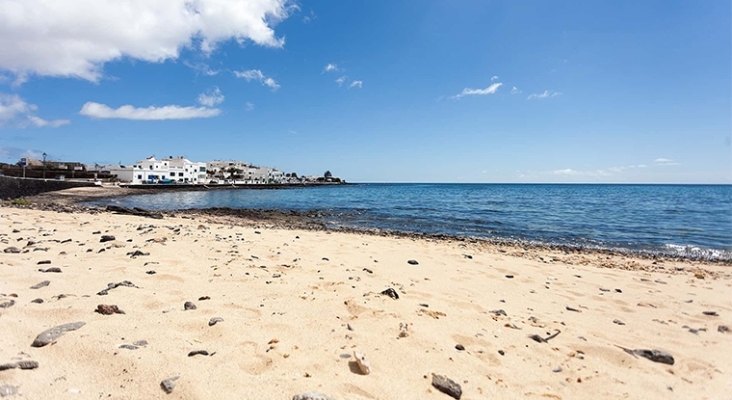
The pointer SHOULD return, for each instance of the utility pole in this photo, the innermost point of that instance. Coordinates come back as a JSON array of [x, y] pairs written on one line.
[[44, 165]]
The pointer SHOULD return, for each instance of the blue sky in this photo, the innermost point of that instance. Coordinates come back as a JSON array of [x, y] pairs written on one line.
[[377, 91]]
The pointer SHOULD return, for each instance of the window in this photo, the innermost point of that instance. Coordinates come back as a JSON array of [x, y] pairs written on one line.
[[139, 176], [151, 168], [180, 174]]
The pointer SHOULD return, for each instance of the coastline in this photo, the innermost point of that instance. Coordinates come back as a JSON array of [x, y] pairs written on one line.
[[296, 303]]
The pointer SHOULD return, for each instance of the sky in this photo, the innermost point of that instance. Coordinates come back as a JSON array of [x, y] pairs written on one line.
[[377, 90]]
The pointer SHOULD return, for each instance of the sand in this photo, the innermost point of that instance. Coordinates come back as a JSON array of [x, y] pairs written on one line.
[[296, 304]]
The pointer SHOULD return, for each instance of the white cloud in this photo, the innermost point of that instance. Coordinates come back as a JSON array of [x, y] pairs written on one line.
[[14, 110], [249, 106], [292, 132], [663, 162], [544, 95], [211, 98], [255, 74], [102, 111], [330, 67], [202, 68], [341, 80], [75, 38], [515, 90], [356, 83], [472, 92], [494, 77], [308, 18]]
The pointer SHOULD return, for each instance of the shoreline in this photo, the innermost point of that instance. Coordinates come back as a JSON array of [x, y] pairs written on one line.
[[311, 220]]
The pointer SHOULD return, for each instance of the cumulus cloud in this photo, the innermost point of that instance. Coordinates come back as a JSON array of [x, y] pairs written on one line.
[[515, 90], [211, 97], [103, 111], [75, 38], [358, 84], [493, 88], [494, 77], [14, 110], [257, 75], [330, 67], [341, 80], [544, 95]]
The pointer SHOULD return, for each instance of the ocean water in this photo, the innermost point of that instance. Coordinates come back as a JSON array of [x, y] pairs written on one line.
[[688, 220]]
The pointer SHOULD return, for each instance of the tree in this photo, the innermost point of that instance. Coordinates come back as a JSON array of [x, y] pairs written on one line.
[[327, 175], [294, 174]]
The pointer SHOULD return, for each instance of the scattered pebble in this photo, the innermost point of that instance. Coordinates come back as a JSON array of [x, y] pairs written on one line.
[[501, 352], [189, 306], [215, 320], [363, 364], [52, 269], [151, 272], [459, 347], [723, 329], [391, 293], [499, 312], [710, 313], [198, 352], [108, 309], [11, 250], [40, 285], [619, 322], [447, 386], [403, 329], [50, 335], [169, 384], [7, 303], [557, 369], [37, 301], [412, 262], [311, 396], [43, 262], [572, 309], [106, 238], [509, 276], [204, 298]]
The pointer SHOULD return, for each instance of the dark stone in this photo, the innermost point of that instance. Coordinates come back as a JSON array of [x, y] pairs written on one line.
[[710, 313], [52, 269], [204, 298], [412, 262], [723, 329], [12, 250], [509, 276], [368, 270], [618, 290], [27, 364], [37, 301], [112, 285], [460, 347], [50, 335], [189, 305], [499, 312], [137, 253], [106, 238], [325, 259], [43, 262], [7, 303], [108, 309], [40, 285], [198, 352], [391, 293], [655, 356], [169, 384], [619, 322], [140, 212], [215, 320], [7, 366], [151, 272], [572, 309], [447, 386], [501, 352], [97, 233]]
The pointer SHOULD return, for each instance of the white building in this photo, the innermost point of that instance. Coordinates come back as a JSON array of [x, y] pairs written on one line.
[[243, 173], [166, 170]]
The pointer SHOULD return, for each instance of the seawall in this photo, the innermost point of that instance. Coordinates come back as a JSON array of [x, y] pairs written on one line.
[[13, 188]]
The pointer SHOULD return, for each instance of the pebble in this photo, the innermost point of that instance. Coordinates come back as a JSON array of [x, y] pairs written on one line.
[[7, 390], [11, 250], [40, 285], [52, 269], [509, 276], [114, 286], [363, 364], [169, 384], [447, 386], [572, 309], [723, 329], [403, 329], [189, 305], [27, 364], [311, 396], [619, 322], [137, 253], [37, 301], [658, 356], [557, 369], [710, 313], [368, 270], [501, 352], [215, 320], [198, 352], [108, 309], [459, 347], [151, 272], [499, 312], [391, 293], [412, 262], [43, 262], [7, 303], [106, 238], [50, 335]]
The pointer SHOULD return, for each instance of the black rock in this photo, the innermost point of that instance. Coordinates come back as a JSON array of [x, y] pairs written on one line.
[[391, 293], [723, 329], [12, 250], [655, 356], [501, 352], [189, 305], [198, 352], [50, 335], [43, 262], [52, 269], [215, 320], [27, 364], [116, 285], [619, 322], [40, 285], [710, 313], [137, 253], [447, 386], [509, 276], [412, 262], [169, 384], [106, 238], [459, 347], [151, 272], [7, 303], [368, 270], [37, 301], [499, 312]]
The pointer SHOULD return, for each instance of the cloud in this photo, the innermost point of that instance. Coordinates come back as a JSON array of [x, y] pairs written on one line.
[[102, 111], [201, 68], [494, 77], [255, 74], [15, 111], [341, 80], [308, 18], [356, 83], [292, 132], [664, 162], [249, 106], [211, 98], [75, 38], [515, 90], [472, 92], [330, 67], [544, 95]]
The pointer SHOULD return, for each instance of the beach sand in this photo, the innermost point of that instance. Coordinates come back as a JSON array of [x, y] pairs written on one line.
[[296, 304]]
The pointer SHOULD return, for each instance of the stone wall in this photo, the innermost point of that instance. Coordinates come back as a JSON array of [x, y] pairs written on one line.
[[13, 188]]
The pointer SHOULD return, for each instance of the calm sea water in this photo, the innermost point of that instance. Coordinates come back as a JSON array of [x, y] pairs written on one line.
[[691, 220]]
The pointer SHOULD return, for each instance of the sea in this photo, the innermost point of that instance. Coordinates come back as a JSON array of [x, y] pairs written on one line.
[[690, 221]]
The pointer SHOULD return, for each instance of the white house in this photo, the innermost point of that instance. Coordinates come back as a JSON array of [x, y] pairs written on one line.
[[168, 170]]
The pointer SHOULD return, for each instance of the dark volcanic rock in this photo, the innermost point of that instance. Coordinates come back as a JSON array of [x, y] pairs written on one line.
[[43, 262], [27, 364], [56, 332], [113, 285], [40, 285], [52, 269], [656, 356], [215, 320], [37, 301], [137, 253], [710, 313], [108, 309], [499, 312], [412, 262], [391, 293], [106, 238], [189, 306], [7, 303], [11, 250], [197, 353], [459, 347], [169, 384], [447, 386], [723, 329]]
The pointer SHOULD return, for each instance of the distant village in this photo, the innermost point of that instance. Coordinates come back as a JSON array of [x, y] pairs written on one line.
[[164, 171]]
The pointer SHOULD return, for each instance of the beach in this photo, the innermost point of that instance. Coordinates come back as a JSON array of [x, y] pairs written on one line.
[[293, 305]]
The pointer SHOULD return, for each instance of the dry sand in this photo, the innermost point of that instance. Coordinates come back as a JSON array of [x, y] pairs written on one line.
[[296, 304]]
